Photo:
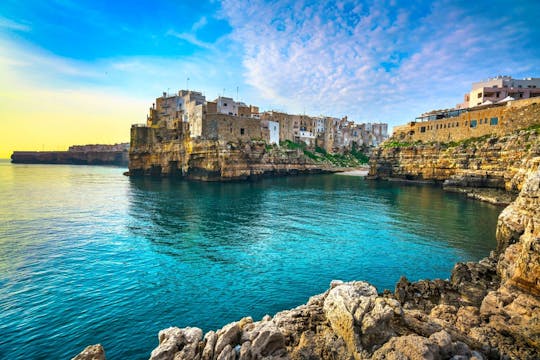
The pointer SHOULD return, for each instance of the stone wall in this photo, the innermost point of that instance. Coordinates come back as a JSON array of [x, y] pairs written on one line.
[[496, 119], [231, 128]]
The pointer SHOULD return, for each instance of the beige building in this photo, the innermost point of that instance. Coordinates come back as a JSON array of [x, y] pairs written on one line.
[[500, 88]]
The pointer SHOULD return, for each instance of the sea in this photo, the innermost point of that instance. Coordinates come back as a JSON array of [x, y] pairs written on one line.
[[88, 255]]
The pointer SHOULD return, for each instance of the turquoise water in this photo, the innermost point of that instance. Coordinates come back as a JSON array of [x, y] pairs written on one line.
[[88, 255]]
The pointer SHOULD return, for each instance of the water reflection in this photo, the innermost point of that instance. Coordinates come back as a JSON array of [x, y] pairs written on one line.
[[178, 215], [211, 218]]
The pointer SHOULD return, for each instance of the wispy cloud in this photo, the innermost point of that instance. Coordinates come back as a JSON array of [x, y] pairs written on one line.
[[190, 38], [200, 23], [13, 25]]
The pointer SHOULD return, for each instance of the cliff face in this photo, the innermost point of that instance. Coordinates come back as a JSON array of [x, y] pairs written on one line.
[[490, 162], [213, 160]]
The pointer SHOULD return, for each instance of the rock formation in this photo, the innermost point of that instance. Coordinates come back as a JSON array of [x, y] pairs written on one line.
[[212, 160], [489, 168]]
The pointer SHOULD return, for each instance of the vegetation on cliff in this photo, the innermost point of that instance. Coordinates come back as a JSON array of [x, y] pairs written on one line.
[[350, 158]]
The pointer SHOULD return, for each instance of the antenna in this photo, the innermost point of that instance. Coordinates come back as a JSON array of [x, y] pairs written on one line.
[[237, 94], [187, 83]]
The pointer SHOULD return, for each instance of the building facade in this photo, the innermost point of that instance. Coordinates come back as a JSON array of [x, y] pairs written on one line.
[[498, 89], [187, 113]]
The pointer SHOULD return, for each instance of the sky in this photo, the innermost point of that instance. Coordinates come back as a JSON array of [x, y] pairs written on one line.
[[81, 72]]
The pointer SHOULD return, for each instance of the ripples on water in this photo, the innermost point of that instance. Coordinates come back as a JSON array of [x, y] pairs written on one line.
[[88, 255]]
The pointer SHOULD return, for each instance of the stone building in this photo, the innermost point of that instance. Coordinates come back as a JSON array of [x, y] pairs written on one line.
[[188, 113]]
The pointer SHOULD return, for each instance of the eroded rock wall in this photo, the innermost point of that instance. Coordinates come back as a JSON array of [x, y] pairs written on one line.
[[154, 152], [484, 163]]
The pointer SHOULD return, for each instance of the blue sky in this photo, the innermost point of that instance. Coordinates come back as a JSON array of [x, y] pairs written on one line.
[[371, 60]]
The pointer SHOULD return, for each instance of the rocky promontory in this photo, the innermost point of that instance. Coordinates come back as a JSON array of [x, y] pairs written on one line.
[[486, 310]]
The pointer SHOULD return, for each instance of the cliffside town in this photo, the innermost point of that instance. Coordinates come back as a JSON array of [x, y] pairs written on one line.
[[186, 135]]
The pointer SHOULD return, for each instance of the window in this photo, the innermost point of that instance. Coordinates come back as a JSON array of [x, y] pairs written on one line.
[[479, 95], [466, 122], [423, 129], [457, 124], [493, 121], [224, 104], [473, 123], [241, 131]]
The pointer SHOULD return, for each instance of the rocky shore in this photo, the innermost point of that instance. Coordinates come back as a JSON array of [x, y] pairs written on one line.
[[486, 310]]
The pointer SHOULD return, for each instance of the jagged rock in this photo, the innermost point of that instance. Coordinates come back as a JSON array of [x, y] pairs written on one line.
[[229, 335], [467, 318], [92, 352], [175, 343], [344, 305], [228, 353], [425, 294], [210, 343], [443, 340], [411, 347], [474, 280]]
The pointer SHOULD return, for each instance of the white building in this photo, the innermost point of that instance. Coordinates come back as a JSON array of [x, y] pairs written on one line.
[[320, 125], [273, 128]]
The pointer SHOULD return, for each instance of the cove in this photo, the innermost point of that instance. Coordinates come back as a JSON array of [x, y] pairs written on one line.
[[88, 255]]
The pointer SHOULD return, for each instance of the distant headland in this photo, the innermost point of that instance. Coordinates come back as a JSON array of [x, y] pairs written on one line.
[[95, 154]]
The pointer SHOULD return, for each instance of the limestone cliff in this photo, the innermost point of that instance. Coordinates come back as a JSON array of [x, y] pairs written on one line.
[[213, 160], [489, 162], [487, 310]]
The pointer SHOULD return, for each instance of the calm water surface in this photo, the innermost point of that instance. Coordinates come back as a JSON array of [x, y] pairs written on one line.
[[88, 255]]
